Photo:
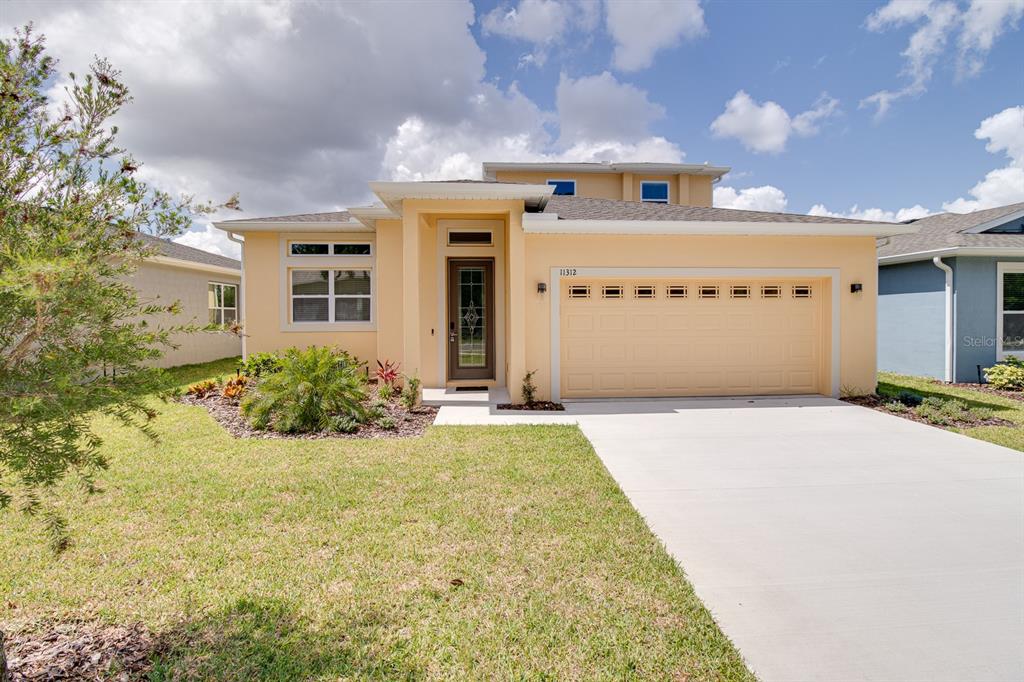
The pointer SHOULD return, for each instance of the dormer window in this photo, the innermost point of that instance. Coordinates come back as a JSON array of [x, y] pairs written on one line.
[[654, 192], [566, 188]]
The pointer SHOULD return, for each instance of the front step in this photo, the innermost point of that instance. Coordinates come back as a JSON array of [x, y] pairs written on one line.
[[438, 397]]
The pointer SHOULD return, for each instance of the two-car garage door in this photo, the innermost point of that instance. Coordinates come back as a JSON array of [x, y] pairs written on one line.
[[635, 337]]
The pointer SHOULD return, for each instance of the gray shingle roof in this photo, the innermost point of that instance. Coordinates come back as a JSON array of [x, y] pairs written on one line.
[[181, 252], [586, 208], [331, 217], [947, 230]]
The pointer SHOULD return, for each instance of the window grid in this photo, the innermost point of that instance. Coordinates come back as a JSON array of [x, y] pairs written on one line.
[[222, 302], [771, 291], [741, 291], [330, 249], [614, 291], [332, 298], [801, 291], [707, 291], [676, 291], [643, 291], [579, 291]]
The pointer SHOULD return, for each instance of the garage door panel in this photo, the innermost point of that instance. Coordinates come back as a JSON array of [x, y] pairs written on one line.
[[693, 337]]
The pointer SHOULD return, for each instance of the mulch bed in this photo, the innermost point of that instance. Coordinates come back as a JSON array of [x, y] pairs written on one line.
[[985, 388], [538, 406], [225, 411], [876, 402], [79, 651]]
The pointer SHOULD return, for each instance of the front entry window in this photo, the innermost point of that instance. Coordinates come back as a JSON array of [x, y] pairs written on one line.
[[1012, 313]]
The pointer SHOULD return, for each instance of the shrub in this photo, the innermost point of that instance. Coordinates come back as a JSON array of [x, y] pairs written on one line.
[[908, 398], [949, 412], [896, 406], [375, 410], [260, 364], [312, 385], [1007, 375], [235, 387], [410, 396], [386, 391], [529, 388], [387, 423], [203, 388], [387, 373], [343, 423]]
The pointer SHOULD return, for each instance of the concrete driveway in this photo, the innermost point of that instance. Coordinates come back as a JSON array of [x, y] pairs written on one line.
[[831, 542]]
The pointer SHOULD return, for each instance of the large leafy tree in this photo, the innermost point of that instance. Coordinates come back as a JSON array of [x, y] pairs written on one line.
[[73, 340]]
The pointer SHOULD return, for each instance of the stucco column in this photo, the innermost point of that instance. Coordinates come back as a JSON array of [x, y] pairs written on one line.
[[516, 304], [627, 187], [684, 190], [411, 291]]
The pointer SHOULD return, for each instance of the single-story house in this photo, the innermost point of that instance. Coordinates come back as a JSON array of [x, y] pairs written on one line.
[[951, 295], [607, 280], [207, 287]]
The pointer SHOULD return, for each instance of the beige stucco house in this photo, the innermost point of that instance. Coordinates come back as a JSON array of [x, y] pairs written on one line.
[[207, 287], [609, 280]]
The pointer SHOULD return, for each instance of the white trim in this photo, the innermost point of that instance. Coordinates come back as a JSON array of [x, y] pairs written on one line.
[[369, 215], [988, 225], [948, 357], [393, 193], [287, 262], [1001, 269], [952, 251], [282, 226], [555, 291], [668, 192], [193, 265], [489, 167], [330, 243], [233, 285], [241, 292], [572, 180], [548, 223]]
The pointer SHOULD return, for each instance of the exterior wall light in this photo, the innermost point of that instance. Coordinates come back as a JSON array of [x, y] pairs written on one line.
[[542, 287], [856, 288]]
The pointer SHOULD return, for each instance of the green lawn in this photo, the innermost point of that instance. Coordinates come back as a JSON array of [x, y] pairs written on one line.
[[1004, 408], [335, 559]]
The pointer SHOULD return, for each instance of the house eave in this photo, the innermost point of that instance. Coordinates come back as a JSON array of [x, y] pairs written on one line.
[[392, 194], [490, 167], [193, 265], [280, 226], [951, 252], [548, 223]]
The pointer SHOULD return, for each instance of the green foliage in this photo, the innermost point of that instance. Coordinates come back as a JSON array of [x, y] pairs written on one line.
[[375, 410], [312, 385], [529, 388], [343, 423], [386, 391], [260, 364], [1007, 375], [896, 406], [73, 335], [410, 396], [908, 398], [203, 388], [387, 423], [949, 412]]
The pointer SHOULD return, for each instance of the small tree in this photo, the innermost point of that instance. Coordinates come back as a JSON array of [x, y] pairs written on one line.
[[72, 337]]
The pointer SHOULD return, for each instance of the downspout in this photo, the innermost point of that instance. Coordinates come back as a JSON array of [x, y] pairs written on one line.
[[241, 291], [937, 260]]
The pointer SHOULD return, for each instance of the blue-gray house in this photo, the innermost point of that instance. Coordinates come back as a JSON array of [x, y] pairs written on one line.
[[951, 296]]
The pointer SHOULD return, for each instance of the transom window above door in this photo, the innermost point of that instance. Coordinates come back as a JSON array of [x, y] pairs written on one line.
[[330, 249], [564, 187]]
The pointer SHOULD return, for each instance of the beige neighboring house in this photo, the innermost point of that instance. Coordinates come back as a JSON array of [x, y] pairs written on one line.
[[207, 285], [606, 280]]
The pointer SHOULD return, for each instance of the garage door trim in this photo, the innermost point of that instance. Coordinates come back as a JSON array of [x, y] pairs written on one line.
[[560, 273]]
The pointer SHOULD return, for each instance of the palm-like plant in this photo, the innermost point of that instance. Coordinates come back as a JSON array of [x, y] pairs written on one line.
[[312, 386]]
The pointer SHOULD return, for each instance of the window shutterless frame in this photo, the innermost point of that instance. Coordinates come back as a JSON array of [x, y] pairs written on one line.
[[1009, 310], [331, 296], [654, 191], [222, 302], [323, 249], [563, 187]]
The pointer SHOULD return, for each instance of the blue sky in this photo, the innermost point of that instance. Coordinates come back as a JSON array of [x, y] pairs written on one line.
[[887, 110]]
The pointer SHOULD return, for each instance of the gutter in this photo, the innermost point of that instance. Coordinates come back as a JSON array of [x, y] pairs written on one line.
[[241, 292], [951, 251], [949, 326]]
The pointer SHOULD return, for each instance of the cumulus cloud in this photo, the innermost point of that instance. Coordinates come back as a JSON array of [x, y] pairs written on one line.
[[876, 214], [641, 29], [936, 22], [764, 198], [539, 22], [1005, 133], [209, 238], [600, 107], [766, 127]]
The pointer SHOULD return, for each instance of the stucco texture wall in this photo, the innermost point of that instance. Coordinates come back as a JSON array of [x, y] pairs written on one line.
[[975, 282], [165, 284], [911, 319], [691, 190]]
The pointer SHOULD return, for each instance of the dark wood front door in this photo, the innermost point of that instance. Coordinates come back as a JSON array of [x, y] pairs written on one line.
[[471, 318]]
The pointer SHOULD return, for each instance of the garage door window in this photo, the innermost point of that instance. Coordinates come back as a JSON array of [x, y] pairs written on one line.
[[771, 291], [611, 292], [708, 292], [739, 292], [579, 291], [643, 291], [676, 291], [801, 291]]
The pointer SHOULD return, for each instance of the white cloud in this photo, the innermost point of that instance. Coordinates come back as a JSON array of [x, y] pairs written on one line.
[[764, 198], [876, 214], [1005, 133], [540, 22], [209, 238], [767, 127], [600, 107], [937, 21], [640, 29]]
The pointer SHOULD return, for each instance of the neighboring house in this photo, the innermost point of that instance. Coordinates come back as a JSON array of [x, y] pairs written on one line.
[[635, 290], [951, 296], [207, 287]]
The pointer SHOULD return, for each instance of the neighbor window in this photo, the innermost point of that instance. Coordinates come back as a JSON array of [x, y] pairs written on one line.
[[654, 192], [327, 249], [223, 303], [564, 187], [1012, 312], [331, 295]]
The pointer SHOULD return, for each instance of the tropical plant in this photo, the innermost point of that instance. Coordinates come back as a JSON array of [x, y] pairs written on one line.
[[74, 336], [386, 391], [260, 364], [387, 373], [203, 388], [1007, 375], [235, 387], [410, 396], [343, 423], [312, 386], [529, 389]]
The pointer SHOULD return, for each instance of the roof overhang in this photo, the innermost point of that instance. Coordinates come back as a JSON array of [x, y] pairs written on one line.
[[369, 215], [1009, 217], [394, 193], [548, 223], [952, 252], [193, 265], [298, 226], [490, 167]]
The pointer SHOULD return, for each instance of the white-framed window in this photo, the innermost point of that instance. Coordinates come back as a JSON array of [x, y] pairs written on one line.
[[331, 295], [223, 302], [654, 191], [1009, 310], [330, 249], [563, 187]]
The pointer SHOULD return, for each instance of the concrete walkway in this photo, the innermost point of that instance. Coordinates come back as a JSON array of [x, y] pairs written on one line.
[[831, 542]]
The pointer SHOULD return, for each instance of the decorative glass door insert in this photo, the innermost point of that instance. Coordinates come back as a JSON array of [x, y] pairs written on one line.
[[470, 321]]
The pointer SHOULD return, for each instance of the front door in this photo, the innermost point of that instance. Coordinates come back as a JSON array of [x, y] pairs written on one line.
[[471, 319]]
